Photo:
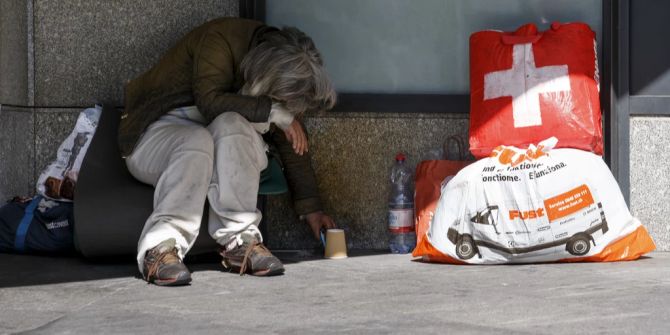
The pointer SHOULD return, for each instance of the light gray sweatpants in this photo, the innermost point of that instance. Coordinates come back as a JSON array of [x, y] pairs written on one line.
[[187, 162]]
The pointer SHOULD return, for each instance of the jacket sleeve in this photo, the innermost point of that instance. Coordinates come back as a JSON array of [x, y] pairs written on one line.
[[299, 175], [214, 74]]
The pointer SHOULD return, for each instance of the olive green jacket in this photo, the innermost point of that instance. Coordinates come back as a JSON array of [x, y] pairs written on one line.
[[203, 69]]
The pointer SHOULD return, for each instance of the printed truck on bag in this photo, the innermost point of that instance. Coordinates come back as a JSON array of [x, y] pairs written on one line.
[[569, 219]]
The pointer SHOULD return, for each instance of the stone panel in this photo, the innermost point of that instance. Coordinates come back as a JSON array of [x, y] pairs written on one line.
[[17, 152], [85, 50], [51, 128], [14, 52], [650, 176], [352, 155]]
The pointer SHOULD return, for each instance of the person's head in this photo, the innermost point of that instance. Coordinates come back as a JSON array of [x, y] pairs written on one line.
[[287, 67]]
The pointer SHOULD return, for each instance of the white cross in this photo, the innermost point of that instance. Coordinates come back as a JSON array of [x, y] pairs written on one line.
[[524, 83]]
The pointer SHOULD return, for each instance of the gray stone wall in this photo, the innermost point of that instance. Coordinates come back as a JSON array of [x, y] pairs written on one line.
[[650, 176], [14, 55], [85, 50], [352, 155], [17, 152]]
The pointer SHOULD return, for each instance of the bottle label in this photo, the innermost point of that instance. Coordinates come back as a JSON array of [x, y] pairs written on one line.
[[401, 220]]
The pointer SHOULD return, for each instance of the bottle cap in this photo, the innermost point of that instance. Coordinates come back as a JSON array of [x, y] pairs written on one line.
[[400, 157]]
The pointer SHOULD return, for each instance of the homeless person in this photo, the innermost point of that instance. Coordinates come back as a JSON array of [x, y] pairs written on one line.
[[199, 125]]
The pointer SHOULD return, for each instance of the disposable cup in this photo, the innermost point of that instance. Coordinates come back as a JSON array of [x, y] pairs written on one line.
[[336, 245]]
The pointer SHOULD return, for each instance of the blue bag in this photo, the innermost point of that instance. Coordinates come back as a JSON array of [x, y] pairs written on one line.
[[36, 225]]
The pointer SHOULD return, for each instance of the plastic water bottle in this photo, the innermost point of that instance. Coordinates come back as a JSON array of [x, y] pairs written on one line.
[[402, 238]]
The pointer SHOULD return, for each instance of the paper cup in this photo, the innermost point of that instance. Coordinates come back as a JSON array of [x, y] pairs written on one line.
[[336, 246]]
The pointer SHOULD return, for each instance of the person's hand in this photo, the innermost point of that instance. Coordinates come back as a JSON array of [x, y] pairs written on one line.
[[318, 221], [296, 136]]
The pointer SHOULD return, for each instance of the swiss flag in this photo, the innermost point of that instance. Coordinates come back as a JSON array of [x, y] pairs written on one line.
[[527, 86]]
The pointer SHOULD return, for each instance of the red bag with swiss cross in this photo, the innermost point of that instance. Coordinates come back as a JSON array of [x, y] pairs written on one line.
[[526, 86]]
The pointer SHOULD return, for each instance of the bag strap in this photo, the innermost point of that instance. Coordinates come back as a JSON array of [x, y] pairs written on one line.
[[459, 144], [22, 230], [525, 34]]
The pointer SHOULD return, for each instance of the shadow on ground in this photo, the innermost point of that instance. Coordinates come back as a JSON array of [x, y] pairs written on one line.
[[30, 270]]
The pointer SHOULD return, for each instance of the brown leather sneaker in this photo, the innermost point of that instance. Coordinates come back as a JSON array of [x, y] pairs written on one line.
[[253, 258], [163, 267]]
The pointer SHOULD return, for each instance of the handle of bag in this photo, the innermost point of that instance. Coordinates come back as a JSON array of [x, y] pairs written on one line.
[[525, 34], [459, 144]]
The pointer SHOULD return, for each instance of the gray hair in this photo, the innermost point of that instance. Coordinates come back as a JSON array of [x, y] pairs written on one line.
[[287, 67]]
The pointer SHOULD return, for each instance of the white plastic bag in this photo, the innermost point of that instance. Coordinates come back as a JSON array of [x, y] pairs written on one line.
[[58, 180], [535, 205]]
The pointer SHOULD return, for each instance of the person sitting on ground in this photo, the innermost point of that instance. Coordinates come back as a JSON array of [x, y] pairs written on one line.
[[195, 126]]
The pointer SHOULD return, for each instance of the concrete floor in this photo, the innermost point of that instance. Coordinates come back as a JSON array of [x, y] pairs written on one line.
[[368, 293]]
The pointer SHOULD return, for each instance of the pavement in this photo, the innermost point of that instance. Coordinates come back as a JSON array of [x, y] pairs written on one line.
[[368, 293]]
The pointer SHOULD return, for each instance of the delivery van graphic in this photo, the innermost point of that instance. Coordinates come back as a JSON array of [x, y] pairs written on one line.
[[569, 219]]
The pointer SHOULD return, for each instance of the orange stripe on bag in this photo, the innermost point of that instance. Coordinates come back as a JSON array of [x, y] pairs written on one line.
[[629, 248], [428, 253]]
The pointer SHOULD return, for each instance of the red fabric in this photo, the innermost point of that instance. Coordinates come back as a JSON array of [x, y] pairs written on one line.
[[527, 86], [428, 180]]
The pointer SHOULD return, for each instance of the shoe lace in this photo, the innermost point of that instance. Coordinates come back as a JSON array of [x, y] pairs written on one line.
[[163, 258], [246, 261]]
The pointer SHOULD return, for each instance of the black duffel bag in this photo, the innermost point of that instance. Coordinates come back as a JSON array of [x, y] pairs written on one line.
[[36, 225]]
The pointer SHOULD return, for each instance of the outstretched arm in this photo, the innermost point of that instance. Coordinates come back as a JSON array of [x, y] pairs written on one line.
[[292, 146], [299, 173]]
